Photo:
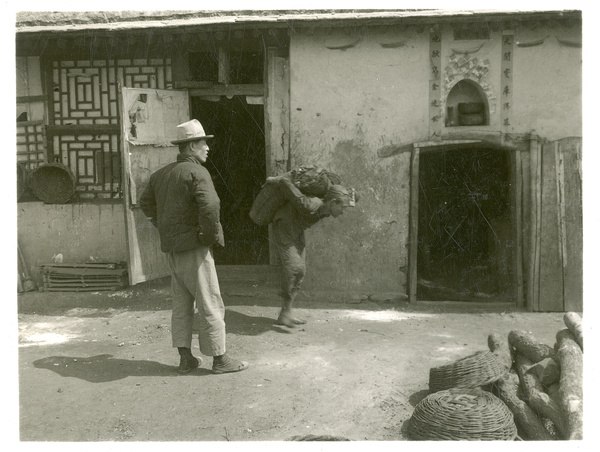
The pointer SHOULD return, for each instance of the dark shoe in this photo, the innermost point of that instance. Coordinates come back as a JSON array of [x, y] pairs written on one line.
[[187, 364], [227, 364]]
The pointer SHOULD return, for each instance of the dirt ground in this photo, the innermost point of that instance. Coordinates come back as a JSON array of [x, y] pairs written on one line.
[[100, 367]]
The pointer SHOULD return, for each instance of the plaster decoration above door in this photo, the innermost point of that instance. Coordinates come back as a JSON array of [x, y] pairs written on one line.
[[464, 67]]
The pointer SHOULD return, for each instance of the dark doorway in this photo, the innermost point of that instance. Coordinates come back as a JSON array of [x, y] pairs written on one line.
[[465, 239], [237, 164]]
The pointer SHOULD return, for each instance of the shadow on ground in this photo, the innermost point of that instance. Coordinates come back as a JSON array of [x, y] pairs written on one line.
[[247, 325], [103, 368]]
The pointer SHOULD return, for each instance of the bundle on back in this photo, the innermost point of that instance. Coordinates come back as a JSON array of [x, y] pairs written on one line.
[[310, 179]]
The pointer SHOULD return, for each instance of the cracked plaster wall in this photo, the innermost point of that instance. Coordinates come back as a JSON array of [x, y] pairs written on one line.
[[350, 96], [77, 231], [354, 92]]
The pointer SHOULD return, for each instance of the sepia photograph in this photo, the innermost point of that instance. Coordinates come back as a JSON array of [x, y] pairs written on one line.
[[298, 224]]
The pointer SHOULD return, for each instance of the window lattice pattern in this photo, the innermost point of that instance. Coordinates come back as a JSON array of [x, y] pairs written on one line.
[[30, 144], [85, 93], [95, 162]]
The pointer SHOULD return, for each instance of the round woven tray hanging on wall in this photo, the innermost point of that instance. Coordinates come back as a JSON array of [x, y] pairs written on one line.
[[478, 369], [53, 183], [462, 415]]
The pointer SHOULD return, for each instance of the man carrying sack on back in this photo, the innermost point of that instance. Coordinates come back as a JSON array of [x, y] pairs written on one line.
[[299, 213], [181, 201]]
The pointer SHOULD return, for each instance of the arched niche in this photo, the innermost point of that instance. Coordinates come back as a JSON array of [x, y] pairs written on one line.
[[467, 105]]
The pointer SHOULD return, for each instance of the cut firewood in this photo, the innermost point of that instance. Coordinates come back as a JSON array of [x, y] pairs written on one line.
[[575, 325], [570, 390], [547, 370], [552, 390], [499, 346], [533, 393], [528, 422], [526, 344]]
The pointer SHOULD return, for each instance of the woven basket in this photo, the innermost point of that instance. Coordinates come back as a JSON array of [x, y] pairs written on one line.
[[462, 415], [472, 371], [53, 183]]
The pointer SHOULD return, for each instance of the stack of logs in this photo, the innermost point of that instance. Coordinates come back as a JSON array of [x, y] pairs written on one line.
[[544, 385]]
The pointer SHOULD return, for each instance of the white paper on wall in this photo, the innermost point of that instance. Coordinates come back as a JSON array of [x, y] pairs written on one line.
[[152, 116]]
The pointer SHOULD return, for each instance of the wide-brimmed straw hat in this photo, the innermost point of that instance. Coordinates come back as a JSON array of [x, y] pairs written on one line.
[[190, 131]]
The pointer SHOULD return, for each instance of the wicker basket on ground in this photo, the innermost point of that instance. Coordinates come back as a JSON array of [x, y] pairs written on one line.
[[462, 415], [478, 369], [53, 183]]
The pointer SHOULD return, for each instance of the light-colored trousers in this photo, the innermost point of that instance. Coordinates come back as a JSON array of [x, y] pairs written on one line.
[[194, 278], [293, 269]]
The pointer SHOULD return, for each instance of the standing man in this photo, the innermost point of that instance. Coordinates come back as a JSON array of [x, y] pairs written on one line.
[[289, 223], [181, 201]]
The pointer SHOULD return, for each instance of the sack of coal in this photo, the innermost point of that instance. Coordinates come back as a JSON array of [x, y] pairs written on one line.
[[310, 180]]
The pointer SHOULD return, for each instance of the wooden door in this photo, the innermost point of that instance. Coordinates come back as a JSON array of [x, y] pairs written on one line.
[[149, 123], [559, 240], [277, 120]]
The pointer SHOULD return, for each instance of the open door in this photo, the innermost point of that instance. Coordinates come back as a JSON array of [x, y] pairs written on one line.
[[149, 121]]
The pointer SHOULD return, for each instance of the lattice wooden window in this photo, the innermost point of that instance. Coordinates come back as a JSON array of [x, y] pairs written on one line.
[[31, 151], [95, 161], [86, 98]]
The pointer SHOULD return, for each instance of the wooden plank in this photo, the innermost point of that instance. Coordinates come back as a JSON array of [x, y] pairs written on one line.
[[82, 129], [517, 195], [570, 149], [551, 274], [26, 99], [413, 232], [223, 67], [70, 277], [533, 281], [84, 265], [81, 284], [526, 208], [277, 122], [189, 84], [81, 289], [180, 71], [229, 90], [85, 271]]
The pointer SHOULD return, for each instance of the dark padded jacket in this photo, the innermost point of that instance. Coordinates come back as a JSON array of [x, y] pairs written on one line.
[[299, 213], [181, 201]]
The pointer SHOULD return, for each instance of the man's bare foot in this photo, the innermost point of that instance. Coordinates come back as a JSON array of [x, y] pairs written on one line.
[[286, 319]]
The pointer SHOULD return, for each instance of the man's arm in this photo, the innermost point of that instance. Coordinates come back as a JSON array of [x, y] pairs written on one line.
[[148, 204], [303, 203], [209, 206]]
